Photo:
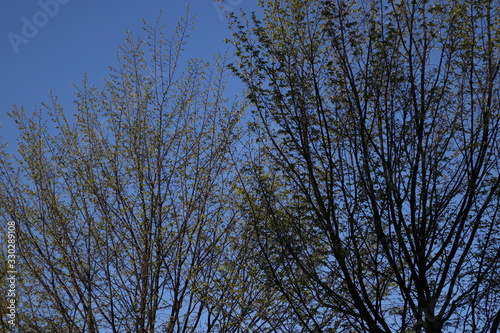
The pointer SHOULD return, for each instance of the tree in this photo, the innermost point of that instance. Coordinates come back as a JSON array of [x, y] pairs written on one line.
[[373, 186], [121, 214]]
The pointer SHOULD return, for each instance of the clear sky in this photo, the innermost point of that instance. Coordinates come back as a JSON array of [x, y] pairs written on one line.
[[50, 44]]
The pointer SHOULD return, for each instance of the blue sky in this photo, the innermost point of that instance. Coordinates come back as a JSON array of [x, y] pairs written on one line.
[[73, 37]]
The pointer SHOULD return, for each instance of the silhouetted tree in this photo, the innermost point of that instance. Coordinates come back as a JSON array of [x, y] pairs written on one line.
[[373, 182]]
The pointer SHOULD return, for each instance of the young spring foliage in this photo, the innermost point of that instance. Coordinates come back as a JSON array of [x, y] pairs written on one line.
[[121, 213], [374, 187]]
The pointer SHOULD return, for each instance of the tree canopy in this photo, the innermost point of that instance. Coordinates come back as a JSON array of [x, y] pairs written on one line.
[[355, 188], [377, 180]]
